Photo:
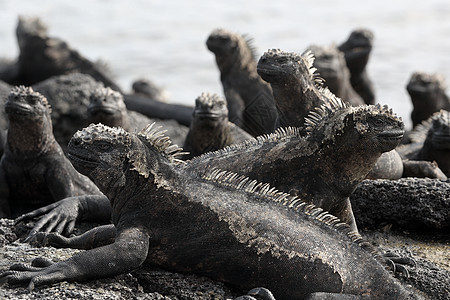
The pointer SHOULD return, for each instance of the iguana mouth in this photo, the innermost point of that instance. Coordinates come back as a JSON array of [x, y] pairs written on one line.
[[207, 116], [396, 135], [272, 70], [82, 160], [102, 109], [18, 109]]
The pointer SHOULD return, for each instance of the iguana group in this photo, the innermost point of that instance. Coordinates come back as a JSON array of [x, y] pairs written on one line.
[[211, 223]]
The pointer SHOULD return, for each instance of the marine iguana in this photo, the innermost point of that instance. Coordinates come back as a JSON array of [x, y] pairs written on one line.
[[357, 49], [42, 57], [331, 66], [213, 223], [430, 141], [33, 170], [68, 95], [249, 99], [427, 92], [341, 146], [108, 107], [311, 165], [210, 129], [298, 89]]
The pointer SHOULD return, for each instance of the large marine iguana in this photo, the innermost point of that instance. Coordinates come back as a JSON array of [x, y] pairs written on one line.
[[357, 49], [430, 141], [42, 57], [427, 92], [215, 223], [249, 98], [331, 66], [311, 165], [108, 107], [33, 170], [298, 89], [210, 129]]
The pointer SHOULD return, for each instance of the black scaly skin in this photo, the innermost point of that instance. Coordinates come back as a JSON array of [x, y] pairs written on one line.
[[210, 129], [427, 92], [357, 49], [331, 66], [249, 98], [108, 107], [341, 146], [213, 223], [33, 170], [430, 142]]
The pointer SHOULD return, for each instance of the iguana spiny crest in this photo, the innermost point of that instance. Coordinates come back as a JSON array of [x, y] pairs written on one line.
[[438, 124]]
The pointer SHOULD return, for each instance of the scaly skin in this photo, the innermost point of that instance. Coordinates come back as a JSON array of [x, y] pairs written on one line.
[[427, 92], [249, 99], [431, 142], [342, 145], [160, 210], [331, 66], [210, 129], [357, 49], [33, 170]]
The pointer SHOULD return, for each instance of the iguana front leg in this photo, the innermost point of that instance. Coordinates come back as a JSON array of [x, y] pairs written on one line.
[[127, 253]]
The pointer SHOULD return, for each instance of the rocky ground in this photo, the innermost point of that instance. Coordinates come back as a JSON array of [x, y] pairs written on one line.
[[431, 275]]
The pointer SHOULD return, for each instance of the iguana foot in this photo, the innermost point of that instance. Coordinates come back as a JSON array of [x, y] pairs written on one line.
[[33, 275], [41, 239], [398, 263], [259, 293]]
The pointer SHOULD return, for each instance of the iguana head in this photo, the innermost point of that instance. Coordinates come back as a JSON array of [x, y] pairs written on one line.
[[106, 154], [30, 26], [210, 110], [25, 105], [230, 48], [371, 128], [331, 66], [279, 67], [425, 85], [107, 107], [357, 48]]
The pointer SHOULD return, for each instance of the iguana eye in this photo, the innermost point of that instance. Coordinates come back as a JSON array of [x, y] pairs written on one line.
[[377, 122]]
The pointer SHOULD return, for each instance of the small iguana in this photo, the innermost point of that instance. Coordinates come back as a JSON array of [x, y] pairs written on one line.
[[149, 89], [33, 170], [430, 142], [331, 66], [427, 92], [210, 129], [357, 49], [249, 98], [213, 223], [108, 107]]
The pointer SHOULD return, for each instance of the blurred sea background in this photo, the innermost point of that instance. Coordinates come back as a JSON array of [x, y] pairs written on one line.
[[164, 41]]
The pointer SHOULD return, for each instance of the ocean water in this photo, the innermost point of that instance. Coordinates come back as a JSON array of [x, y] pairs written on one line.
[[165, 40]]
